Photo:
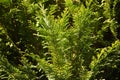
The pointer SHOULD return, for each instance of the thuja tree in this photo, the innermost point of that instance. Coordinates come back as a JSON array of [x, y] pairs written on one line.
[[59, 39]]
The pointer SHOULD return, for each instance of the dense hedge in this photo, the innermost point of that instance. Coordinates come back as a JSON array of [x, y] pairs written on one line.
[[59, 39]]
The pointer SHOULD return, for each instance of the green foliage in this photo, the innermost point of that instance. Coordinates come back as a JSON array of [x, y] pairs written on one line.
[[59, 40]]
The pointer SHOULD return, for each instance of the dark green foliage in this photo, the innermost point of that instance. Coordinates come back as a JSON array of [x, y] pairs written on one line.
[[59, 39]]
